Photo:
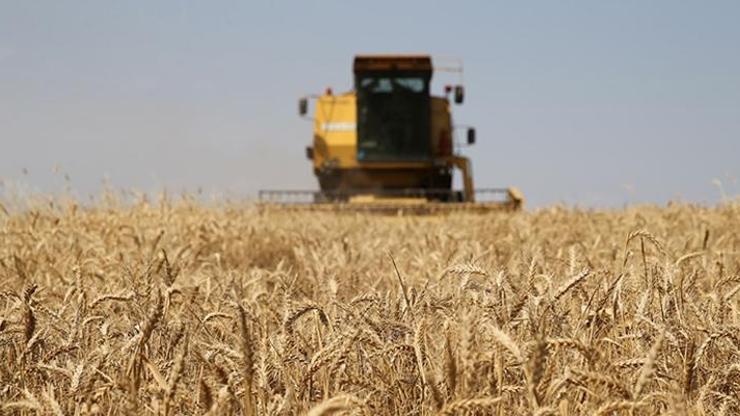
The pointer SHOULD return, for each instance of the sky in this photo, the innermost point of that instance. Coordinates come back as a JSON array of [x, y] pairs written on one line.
[[588, 103]]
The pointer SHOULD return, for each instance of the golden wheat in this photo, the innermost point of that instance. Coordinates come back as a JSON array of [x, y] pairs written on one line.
[[180, 307]]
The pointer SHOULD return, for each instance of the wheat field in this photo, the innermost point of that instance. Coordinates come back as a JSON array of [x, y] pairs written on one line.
[[181, 307]]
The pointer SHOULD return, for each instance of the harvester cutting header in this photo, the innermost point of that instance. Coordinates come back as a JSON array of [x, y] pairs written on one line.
[[389, 145]]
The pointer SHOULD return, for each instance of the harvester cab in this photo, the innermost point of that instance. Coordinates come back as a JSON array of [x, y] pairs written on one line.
[[389, 144]]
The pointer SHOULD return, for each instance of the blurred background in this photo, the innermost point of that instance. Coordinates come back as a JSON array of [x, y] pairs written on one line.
[[596, 104]]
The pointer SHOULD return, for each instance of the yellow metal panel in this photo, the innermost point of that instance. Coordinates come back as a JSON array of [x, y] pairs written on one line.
[[335, 131]]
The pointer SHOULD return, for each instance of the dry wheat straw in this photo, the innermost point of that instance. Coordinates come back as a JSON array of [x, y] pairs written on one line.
[[103, 305]]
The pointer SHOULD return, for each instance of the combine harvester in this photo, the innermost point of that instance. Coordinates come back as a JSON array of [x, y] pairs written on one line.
[[388, 146]]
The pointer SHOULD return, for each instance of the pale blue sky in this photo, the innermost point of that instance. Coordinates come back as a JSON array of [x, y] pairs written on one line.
[[583, 102]]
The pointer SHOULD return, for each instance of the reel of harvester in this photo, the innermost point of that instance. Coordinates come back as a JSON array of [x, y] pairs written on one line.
[[404, 201]]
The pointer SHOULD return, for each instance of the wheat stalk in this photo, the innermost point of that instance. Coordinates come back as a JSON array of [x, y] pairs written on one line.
[[465, 406], [271, 312]]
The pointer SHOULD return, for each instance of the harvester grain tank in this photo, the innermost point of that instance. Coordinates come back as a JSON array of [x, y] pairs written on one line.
[[388, 144]]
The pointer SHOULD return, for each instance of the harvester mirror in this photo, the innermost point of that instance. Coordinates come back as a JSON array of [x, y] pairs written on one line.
[[309, 152], [471, 135], [303, 106], [459, 94]]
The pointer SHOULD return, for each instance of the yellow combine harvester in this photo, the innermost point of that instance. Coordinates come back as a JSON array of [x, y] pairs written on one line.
[[388, 145]]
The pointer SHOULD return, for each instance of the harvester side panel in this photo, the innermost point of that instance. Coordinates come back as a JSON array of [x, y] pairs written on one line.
[[335, 132]]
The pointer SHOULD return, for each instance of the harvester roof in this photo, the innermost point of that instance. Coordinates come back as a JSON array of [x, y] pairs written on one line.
[[416, 63]]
